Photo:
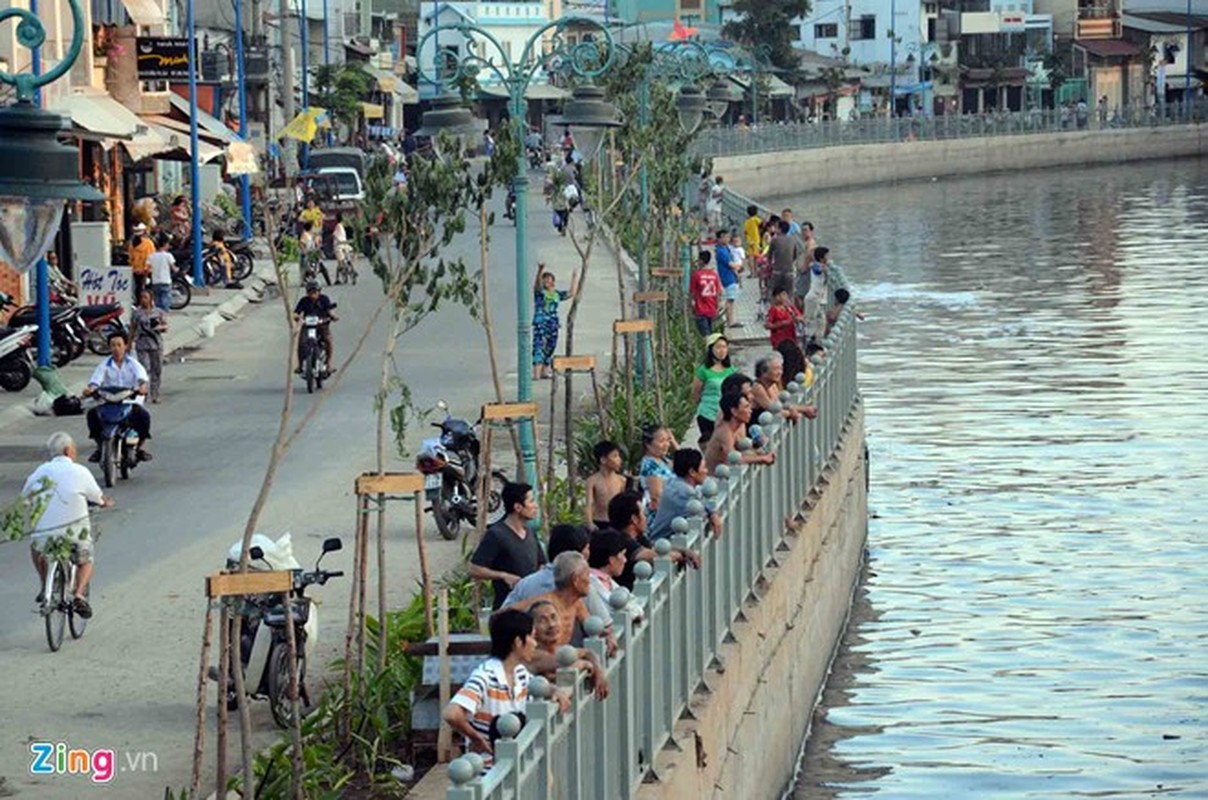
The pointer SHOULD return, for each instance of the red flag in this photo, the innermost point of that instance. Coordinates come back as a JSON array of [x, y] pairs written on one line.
[[679, 33]]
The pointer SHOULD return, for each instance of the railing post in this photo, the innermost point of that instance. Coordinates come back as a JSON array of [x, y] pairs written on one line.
[[623, 691], [602, 751], [568, 679]]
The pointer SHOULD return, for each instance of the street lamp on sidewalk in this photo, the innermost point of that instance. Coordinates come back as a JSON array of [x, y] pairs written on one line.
[[37, 173], [587, 113]]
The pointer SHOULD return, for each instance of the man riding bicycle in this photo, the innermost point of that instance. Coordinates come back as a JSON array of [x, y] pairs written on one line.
[[120, 370], [66, 489], [317, 304]]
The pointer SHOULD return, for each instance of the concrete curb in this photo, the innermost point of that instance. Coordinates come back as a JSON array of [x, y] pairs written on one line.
[[262, 277]]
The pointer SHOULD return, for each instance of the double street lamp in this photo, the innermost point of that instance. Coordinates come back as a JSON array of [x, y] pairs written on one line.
[[38, 175], [587, 113]]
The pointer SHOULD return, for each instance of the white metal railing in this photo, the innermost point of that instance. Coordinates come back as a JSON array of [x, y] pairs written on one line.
[[605, 749]]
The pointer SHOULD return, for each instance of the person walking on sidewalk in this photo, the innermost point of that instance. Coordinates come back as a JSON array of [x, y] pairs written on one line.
[[727, 270], [706, 289], [141, 248], [162, 264], [148, 324], [706, 383], [546, 299]]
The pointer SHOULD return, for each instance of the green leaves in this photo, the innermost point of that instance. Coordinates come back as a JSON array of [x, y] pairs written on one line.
[[765, 26], [340, 90]]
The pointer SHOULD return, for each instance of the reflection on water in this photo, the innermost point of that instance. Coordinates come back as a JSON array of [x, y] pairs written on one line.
[[1034, 621]]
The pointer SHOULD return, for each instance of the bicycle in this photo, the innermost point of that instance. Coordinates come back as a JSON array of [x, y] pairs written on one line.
[[57, 611]]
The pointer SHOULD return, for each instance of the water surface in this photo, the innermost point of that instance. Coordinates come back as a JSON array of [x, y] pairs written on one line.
[[1034, 619]]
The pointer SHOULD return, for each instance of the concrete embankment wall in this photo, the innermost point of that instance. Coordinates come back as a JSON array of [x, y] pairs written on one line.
[[746, 729], [795, 172]]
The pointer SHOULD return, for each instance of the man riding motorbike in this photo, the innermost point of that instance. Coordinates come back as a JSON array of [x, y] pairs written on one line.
[[122, 371], [317, 304], [64, 489]]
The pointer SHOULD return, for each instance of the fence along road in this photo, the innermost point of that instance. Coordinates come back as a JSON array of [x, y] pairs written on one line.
[[731, 141], [606, 749]]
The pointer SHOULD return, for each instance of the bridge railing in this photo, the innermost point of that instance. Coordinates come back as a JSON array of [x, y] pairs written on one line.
[[607, 748], [772, 137]]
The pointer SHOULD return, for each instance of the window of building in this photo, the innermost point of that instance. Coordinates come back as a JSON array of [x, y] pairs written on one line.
[[826, 30], [690, 6], [795, 34], [865, 27]]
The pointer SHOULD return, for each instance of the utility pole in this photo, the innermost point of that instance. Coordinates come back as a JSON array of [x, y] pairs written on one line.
[[287, 70], [367, 19]]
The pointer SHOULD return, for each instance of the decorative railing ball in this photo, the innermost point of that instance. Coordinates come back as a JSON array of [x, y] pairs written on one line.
[[693, 508], [643, 570], [566, 655], [786, 394], [744, 444], [800, 378], [754, 431], [776, 407], [734, 457], [462, 770], [476, 761], [663, 547], [541, 688], [679, 525], [721, 472], [619, 598], [767, 418], [509, 726], [709, 488], [594, 626]]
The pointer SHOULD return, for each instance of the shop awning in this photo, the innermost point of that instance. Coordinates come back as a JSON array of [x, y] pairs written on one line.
[[209, 147], [372, 111], [776, 87], [212, 126], [144, 12], [99, 115], [152, 140], [406, 93], [535, 91], [386, 81]]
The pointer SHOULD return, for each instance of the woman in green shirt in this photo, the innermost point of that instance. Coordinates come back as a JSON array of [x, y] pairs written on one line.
[[707, 380]]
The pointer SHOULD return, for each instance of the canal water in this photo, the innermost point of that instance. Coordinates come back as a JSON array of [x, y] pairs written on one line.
[[1033, 620]]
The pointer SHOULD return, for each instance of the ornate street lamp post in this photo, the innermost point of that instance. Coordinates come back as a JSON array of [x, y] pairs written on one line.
[[37, 173], [586, 113]]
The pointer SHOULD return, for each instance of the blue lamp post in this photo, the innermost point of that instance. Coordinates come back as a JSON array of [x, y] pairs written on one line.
[[37, 174], [194, 145], [587, 114], [304, 25], [241, 79]]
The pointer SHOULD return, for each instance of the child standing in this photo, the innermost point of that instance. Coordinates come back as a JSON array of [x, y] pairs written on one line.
[[706, 289], [605, 483], [546, 299], [162, 264]]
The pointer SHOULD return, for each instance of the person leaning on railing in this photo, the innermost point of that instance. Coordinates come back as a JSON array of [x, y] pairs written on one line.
[[497, 686], [689, 468], [735, 417], [627, 513], [546, 626]]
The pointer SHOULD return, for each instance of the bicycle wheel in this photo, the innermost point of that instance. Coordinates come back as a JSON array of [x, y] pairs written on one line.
[[74, 621], [55, 607]]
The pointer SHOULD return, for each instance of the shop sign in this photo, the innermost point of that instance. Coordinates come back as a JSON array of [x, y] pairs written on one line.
[[162, 58]]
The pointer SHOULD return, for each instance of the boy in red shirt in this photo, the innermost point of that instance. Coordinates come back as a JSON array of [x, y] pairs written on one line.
[[782, 318], [706, 289]]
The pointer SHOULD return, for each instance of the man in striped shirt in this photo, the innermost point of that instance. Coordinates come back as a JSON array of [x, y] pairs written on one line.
[[497, 686]]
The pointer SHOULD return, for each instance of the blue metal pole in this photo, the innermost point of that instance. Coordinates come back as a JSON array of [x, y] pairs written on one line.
[[194, 163], [303, 24], [643, 342], [43, 268], [241, 78], [326, 54], [1187, 76], [893, 60], [524, 289]]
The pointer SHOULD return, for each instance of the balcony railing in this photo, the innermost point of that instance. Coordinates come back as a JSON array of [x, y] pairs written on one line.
[[606, 749]]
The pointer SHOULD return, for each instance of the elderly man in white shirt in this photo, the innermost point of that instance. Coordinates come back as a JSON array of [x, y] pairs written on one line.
[[62, 490], [124, 371]]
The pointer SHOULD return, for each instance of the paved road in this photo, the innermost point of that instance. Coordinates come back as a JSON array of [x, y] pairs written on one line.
[[129, 685]]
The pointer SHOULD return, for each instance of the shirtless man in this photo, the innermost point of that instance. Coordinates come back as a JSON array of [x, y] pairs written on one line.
[[605, 483], [572, 583], [546, 628], [735, 416]]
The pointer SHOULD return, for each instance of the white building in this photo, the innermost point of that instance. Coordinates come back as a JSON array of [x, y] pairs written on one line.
[[511, 24]]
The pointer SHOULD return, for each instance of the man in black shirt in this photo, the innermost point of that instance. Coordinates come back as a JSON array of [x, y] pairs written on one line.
[[627, 514], [509, 550], [316, 304]]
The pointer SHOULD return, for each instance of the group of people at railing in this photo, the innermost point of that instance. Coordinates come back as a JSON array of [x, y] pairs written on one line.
[[544, 600]]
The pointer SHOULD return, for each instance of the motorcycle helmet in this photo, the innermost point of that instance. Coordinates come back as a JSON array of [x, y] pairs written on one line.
[[312, 286]]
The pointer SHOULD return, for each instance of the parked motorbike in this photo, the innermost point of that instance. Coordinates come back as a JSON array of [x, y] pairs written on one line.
[[450, 467], [312, 355], [67, 330], [102, 321], [263, 644], [16, 362], [119, 442]]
